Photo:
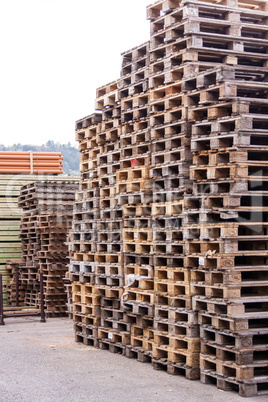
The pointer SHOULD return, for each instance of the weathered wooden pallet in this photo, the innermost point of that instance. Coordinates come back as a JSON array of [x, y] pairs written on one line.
[[236, 324], [245, 340], [247, 388]]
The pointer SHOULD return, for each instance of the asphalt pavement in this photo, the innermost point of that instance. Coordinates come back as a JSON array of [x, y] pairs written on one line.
[[41, 362]]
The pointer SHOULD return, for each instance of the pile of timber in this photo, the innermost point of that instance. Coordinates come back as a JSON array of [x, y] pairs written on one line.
[[10, 216], [31, 162], [169, 239], [46, 220]]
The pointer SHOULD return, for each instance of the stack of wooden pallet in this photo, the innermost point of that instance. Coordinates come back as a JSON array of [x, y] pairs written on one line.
[[67, 279], [174, 192], [134, 192], [10, 215], [226, 227], [83, 237], [47, 217], [12, 267], [108, 262], [176, 335], [227, 109], [97, 228]]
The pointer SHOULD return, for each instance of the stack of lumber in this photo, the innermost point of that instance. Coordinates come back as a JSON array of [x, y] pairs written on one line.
[[10, 215], [9, 223], [46, 220], [30, 162], [174, 173]]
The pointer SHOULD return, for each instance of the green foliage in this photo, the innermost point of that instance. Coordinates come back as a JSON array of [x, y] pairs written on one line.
[[71, 155]]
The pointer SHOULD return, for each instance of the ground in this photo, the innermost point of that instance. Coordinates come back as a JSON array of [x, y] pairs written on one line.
[[41, 362]]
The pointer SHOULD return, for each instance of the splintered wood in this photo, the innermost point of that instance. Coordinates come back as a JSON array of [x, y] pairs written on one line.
[[47, 218], [169, 238]]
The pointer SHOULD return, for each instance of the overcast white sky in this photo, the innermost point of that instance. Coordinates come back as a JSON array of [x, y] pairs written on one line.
[[54, 54]]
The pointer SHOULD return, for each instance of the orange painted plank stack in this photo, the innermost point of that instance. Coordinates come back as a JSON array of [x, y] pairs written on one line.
[[31, 162]]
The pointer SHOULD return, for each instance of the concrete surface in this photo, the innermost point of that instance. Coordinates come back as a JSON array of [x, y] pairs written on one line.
[[41, 362]]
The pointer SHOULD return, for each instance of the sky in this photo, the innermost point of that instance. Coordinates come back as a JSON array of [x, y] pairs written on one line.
[[54, 54]]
